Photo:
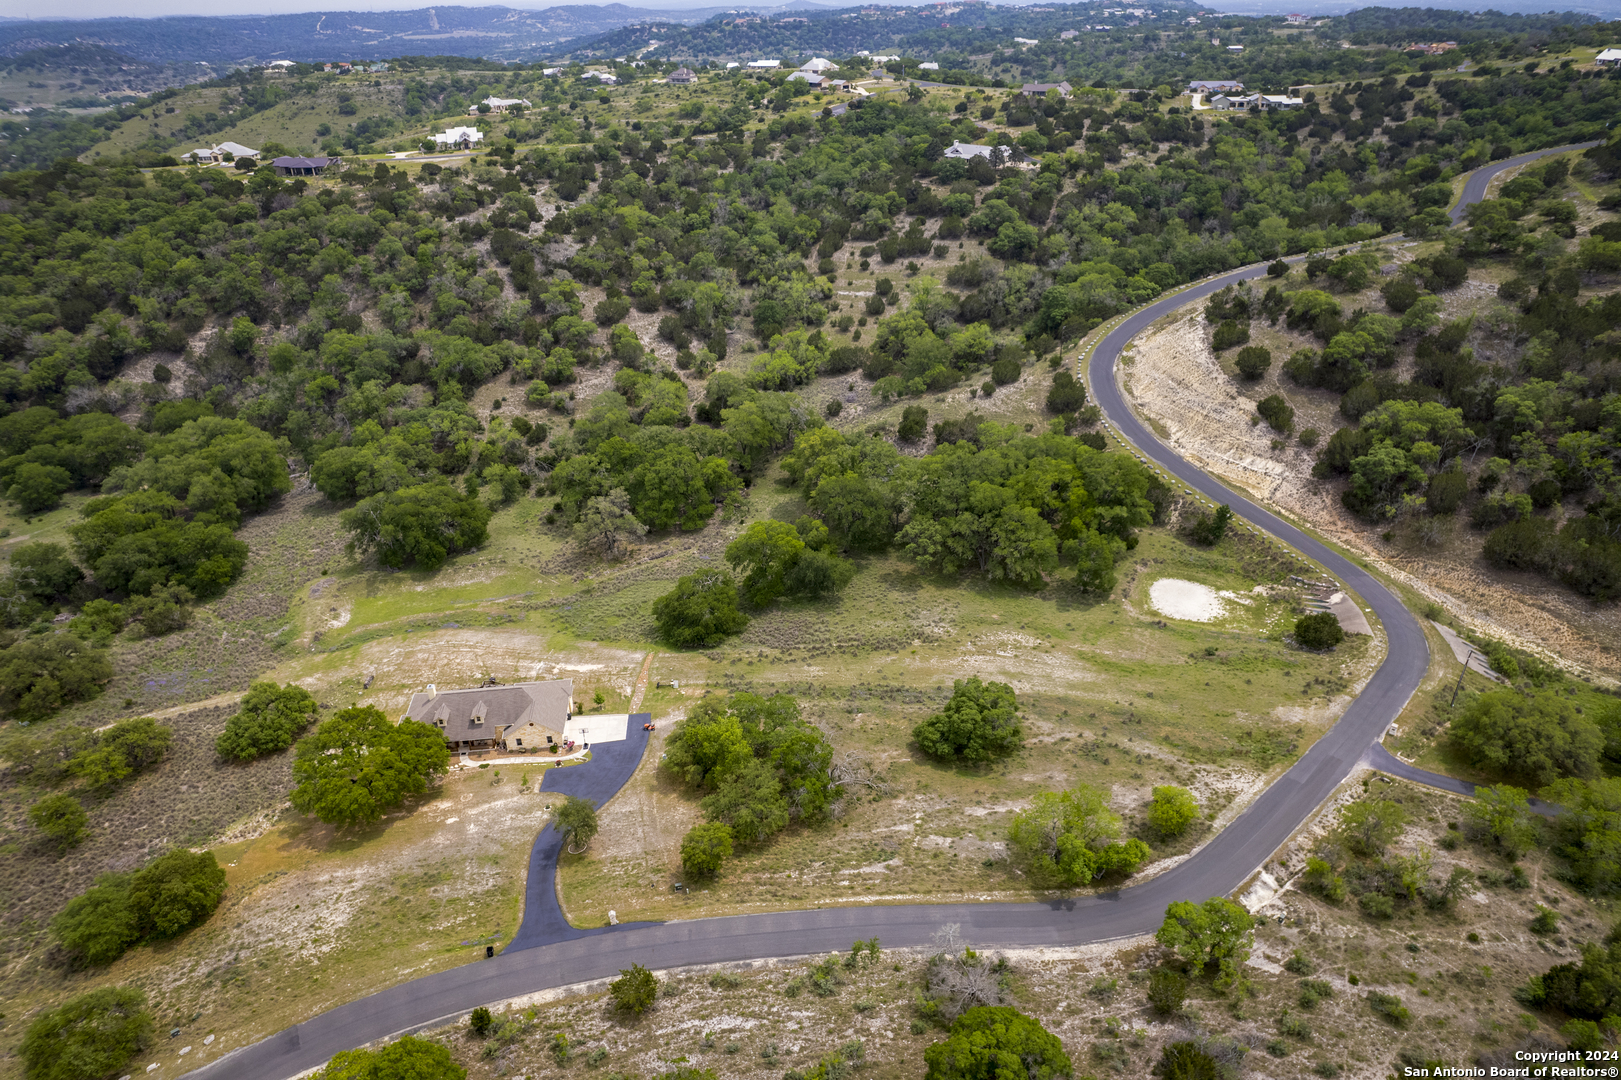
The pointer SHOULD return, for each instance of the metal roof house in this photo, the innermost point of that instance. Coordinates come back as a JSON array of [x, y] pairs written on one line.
[[303, 166], [480, 718], [1040, 88], [965, 151], [1214, 86], [1610, 57], [461, 138]]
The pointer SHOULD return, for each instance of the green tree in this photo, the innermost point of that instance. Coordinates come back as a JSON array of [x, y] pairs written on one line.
[[1171, 810], [608, 524], [1217, 932], [1588, 833], [121, 751], [44, 570], [978, 724], [1068, 395], [61, 818], [357, 766], [41, 675], [92, 1035], [634, 991], [1208, 529], [1370, 825], [750, 801], [995, 1042], [175, 892], [268, 720], [1537, 739], [705, 849], [409, 1058], [419, 526], [914, 422], [1071, 835], [1502, 814], [776, 561], [576, 821], [700, 611], [706, 747], [97, 622], [37, 488], [1318, 630], [1276, 411], [98, 925], [1253, 361]]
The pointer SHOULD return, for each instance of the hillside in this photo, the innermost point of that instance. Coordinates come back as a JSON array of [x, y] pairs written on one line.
[[82, 76], [745, 404]]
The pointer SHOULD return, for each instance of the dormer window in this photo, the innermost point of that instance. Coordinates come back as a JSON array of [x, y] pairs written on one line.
[[478, 713]]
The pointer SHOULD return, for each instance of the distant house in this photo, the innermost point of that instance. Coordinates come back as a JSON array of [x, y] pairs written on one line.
[[606, 78], [236, 150], [816, 81], [378, 68], [199, 155], [928, 66], [1214, 86], [500, 105], [551, 71], [819, 64], [1027, 41], [965, 151], [1610, 57], [730, 64], [1256, 101], [1296, 19], [279, 65], [303, 166], [763, 64], [1067, 34], [683, 76], [459, 138], [482, 718], [1235, 48], [1039, 89]]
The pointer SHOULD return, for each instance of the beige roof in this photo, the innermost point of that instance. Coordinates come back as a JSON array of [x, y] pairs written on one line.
[[486, 711]]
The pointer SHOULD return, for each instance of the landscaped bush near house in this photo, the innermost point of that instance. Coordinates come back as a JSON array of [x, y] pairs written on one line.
[[358, 765]]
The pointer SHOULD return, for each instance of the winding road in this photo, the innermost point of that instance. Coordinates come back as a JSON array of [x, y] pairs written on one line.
[[548, 953]]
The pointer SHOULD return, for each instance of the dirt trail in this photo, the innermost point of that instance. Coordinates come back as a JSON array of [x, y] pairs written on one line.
[[1176, 384]]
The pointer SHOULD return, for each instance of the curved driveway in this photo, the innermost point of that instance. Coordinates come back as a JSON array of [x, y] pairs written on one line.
[[1221, 866]]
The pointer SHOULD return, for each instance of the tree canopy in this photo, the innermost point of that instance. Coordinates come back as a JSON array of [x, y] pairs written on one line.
[[1073, 836], [93, 1034], [357, 765], [1216, 933], [268, 720], [407, 1058], [979, 723], [700, 611], [1536, 738], [992, 1042]]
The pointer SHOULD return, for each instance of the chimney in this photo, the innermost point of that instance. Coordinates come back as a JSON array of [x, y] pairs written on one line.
[[433, 691]]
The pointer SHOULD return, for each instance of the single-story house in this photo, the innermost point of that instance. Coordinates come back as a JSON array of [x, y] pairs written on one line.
[[236, 150], [1610, 57], [1039, 89], [683, 76], [929, 65], [279, 65], [817, 81], [1258, 101], [199, 155], [758, 64], [606, 78], [1028, 40], [551, 71], [1067, 34], [966, 151], [460, 138], [819, 65], [1214, 86], [500, 105], [481, 718], [303, 166]]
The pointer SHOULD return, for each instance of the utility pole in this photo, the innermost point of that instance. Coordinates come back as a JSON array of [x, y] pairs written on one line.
[[1459, 685]]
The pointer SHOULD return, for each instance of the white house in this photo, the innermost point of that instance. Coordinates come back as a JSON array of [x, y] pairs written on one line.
[[819, 64], [1028, 41], [280, 65], [763, 64], [965, 151], [459, 138], [1235, 48], [1610, 57], [731, 64], [552, 71], [928, 66], [810, 77], [500, 105], [606, 78], [884, 59], [217, 153]]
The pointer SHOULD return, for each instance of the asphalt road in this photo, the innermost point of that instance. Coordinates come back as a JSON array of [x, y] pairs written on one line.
[[555, 954], [1474, 188]]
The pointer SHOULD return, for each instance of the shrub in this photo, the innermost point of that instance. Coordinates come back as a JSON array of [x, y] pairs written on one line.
[[634, 991], [1171, 810], [1208, 529], [1187, 1061], [61, 818], [98, 925], [1377, 905], [1067, 394], [1400, 294], [1313, 991], [1278, 413], [914, 422], [175, 892], [410, 1057], [268, 720], [480, 1021], [1253, 361], [92, 1035], [1167, 990], [1006, 371], [705, 849], [41, 675], [120, 751], [1319, 630], [700, 611], [1545, 922], [979, 723], [1229, 334], [1389, 1007], [995, 1041]]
